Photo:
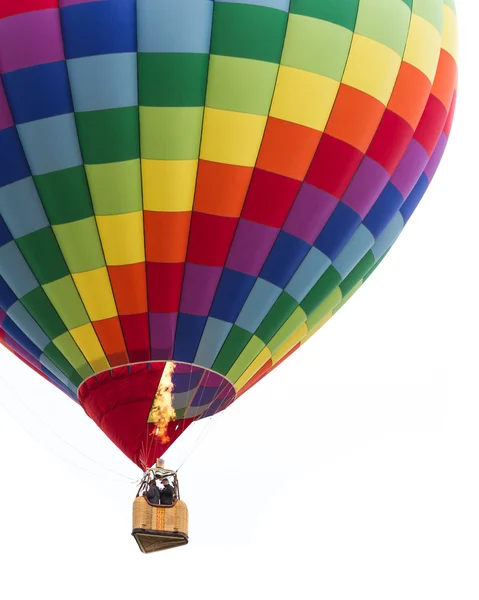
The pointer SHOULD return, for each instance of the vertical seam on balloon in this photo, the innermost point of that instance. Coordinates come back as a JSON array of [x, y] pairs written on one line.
[[93, 210], [196, 182], [149, 349], [29, 266], [302, 182], [247, 190]]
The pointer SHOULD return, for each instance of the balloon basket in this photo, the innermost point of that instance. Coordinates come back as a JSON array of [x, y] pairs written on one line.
[[157, 528]]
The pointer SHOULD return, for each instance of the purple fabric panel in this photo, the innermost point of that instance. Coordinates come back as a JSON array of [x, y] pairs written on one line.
[[5, 114], [199, 287], [436, 157], [310, 213], [212, 379], [42, 29], [366, 186], [162, 335], [3, 314], [187, 381], [410, 168], [250, 248], [186, 368], [218, 404]]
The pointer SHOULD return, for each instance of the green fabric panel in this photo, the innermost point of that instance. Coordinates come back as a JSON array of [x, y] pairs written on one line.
[[386, 22], [321, 290], [116, 187], [328, 305], [450, 3], [277, 316], [248, 31], [292, 324], [43, 255], [249, 354], [348, 296], [171, 133], [342, 13], [108, 136], [65, 195], [316, 46], [359, 271], [241, 85], [68, 347], [368, 275], [232, 348], [408, 3], [57, 358], [80, 244], [168, 79], [66, 300], [430, 10], [41, 309]]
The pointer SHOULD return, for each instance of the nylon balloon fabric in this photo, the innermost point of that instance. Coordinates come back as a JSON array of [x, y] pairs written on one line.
[[205, 183]]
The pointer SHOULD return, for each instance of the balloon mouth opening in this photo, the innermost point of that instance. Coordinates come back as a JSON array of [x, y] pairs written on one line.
[[195, 391]]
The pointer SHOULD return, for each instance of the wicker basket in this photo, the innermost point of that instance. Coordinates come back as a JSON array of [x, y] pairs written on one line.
[[158, 528]]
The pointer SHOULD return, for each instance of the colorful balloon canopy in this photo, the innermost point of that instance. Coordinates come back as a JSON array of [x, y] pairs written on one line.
[[205, 182]]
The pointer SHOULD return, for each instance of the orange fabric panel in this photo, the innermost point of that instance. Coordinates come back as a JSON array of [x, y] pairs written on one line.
[[166, 235], [129, 288], [111, 338]]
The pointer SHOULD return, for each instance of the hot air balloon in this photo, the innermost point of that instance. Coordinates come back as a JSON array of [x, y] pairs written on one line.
[[202, 184]]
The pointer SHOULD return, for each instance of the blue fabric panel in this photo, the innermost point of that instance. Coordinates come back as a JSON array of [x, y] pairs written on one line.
[[5, 235], [259, 302], [388, 236], [204, 395], [99, 28], [285, 257], [414, 197], [385, 207], [7, 297], [338, 231], [231, 294], [22, 318], [308, 273], [174, 26], [102, 82], [38, 92], [15, 271], [12, 158], [189, 329], [212, 340], [187, 381], [21, 208], [48, 158], [15, 333], [354, 250]]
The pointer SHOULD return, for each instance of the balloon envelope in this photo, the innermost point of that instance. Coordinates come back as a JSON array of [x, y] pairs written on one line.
[[203, 182]]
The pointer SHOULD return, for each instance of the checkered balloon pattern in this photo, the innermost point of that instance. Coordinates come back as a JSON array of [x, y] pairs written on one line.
[[204, 182]]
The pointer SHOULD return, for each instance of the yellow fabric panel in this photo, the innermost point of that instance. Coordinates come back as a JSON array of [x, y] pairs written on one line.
[[303, 97], [327, 306], [95, 291], [297, 336], [449, 34], [423, 47], [372, 68], [232, 138], [169, 185], [122, 238], [88, 343], [254, 367]]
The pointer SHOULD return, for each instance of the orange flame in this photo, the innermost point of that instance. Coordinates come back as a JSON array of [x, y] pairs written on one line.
[[162, 411]]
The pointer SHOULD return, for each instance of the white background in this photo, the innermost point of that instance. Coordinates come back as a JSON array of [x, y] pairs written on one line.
[[350, 472]]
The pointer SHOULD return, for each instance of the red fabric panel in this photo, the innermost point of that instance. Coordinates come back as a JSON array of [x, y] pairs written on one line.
[[120, 402], [210, 239], [17, 7], [450, 116], [391, 141], [270, 198], [164, 286], [333, 166], [431, 124], [137, 336]]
